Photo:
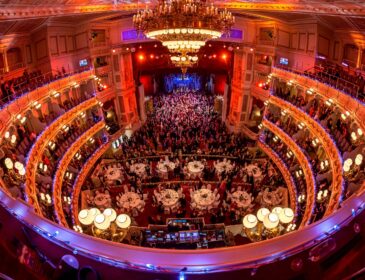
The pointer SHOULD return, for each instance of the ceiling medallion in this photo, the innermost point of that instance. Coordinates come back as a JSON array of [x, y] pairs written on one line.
[[183, 26]]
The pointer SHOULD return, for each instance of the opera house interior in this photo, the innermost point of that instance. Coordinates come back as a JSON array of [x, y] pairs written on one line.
[[182, 139]]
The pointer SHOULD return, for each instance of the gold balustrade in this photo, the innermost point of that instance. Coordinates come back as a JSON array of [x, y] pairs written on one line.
[[37, 150], [24, 102], [344, 101], [328, 145], [63, 165], [303, 161], [81, 177], [284, 171]]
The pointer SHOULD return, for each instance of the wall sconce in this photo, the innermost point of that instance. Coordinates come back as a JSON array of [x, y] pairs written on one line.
[[36, 105], [260, 126], [310, 91], [324, 164], [298, 173], [322, 195], [289, 154], [358, 159], [9, 163], [345, 115], [92, 140], [301, 198], [55, 94], [21, 119], [65, 128], [301, 125], [51, 145], [283, 112], [78, 156], [329, 102], [43, 167], [315, 142]]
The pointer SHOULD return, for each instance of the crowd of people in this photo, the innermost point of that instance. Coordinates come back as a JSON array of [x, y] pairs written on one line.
[[339, 78], [28, 81], [184, 130]]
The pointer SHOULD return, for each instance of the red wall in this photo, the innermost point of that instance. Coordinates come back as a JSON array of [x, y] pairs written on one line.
[[147, 82], [220, 82]]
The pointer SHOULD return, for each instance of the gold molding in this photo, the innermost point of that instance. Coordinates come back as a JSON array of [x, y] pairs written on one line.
[[284, 171], [302, 159], [328, 145], [81, 179], [38, 147], [63, 165]]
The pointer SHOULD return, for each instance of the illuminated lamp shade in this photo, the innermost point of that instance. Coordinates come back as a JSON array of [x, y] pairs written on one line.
[[277, 210], [18, 165], [93, 212], [110, 214], [346, 168], [123, 221], [85, 218], [261, 213], [9, 163], [22, 171], [359, 131], [353, 136], [13, 139], [348, 162], [286, 216], [249, 221], [271, 221], [358, 159], [101, 222]]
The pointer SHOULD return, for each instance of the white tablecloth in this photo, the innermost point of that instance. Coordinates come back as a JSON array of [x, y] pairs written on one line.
[[271, 198], [169, 198], [203, 198], [129, 200], [223, 166], [242, 199], [139, 169], [195, 168], [165, 166], [112, 174], [102, 200], [253, 170]]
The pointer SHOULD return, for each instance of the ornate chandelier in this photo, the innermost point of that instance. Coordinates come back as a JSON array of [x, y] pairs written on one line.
[[183, 26], [184, 61]]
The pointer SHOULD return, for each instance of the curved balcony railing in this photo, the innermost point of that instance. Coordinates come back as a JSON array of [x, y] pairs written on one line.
[[328, 80], [81, 177], [173, 261], [328, 145], [304, 163], [63, 165], [341, 98], [49, 82], [36, 152], [284, 171]]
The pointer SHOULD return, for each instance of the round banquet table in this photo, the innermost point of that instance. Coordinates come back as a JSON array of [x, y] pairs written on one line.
[[165, 166], [139, 169], [253, 170], [169, 197], [195, 167], [270, 198], [129, 200], [242, 199], [223, 166], [203, 198], [102, 200], [113, 174]]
